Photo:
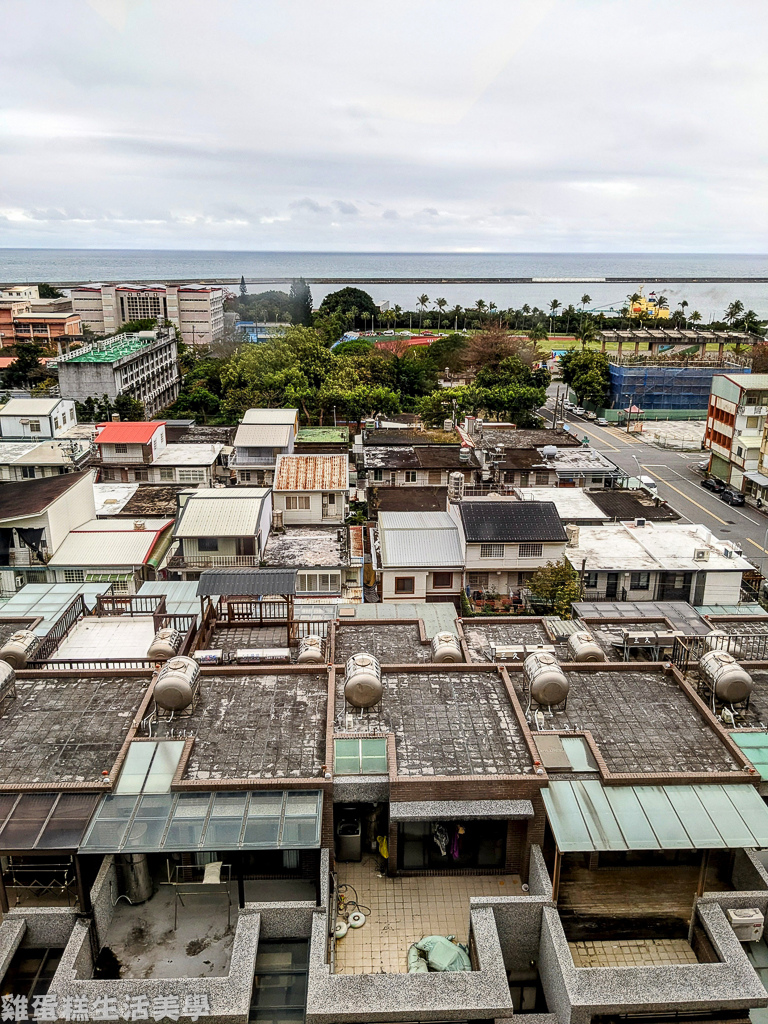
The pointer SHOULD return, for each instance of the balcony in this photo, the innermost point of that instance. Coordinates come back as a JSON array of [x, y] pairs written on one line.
[[213, 561]]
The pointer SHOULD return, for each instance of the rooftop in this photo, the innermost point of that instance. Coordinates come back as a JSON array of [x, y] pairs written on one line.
[[399, 436], [323, 435], [67, 729], [30, 406], [128, 433], [259, 727], [642, 722], [262, 435], [396, 644], [311, 473], [286, 416], [448, 722], [111, 542], [416, 539], [410, 457], [430, 498], [49, 600], [511, 521], [481, 636], [188, 455], [436, 616], [679, 614], [305, 547], [41, 453], [655, 546], [625, 505], [123, 345], [582, 458], [220, 512], [137, 499], [510, 438], [33, 497], [114, 636]]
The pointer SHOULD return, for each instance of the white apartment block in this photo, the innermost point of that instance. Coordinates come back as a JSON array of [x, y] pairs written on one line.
[[196, 309]]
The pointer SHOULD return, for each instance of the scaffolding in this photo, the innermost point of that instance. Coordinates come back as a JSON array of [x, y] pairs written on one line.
[[661, 386]]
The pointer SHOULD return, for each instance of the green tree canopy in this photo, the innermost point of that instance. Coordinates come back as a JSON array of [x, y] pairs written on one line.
[[26, 370], [47, 291], [346, 299], [301, 302], [556, 584]]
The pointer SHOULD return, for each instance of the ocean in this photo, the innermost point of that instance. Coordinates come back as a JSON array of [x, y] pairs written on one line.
[[18, 266]]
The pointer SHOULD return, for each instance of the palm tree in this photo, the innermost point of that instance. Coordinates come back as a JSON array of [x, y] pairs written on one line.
[[750, 323], [587, 334], [585, 301], [366, 318], [538, 332], [662, 302], [455, 314], [422, 302], [734, 311], [525, 310], [396, 311], [553, 308], [684, 305], [352, 315], [480, 306], [440, 304], [695, 317], [569, 313], [633, 298]]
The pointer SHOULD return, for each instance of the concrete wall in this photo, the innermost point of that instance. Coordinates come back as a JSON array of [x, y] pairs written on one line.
[[511, 559], [312, 516], [749, 872], [45, 926], [722, 587]]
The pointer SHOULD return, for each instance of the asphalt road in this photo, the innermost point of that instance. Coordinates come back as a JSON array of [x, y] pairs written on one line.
[[679, 483]]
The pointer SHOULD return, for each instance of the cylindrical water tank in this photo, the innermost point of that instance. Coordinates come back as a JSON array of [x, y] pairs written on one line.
[[19, 648], [446, 647], [311, 650], [166, 643], [134, 867], [362, 686], [719, 640], [584, 647], [174, 688], [7, 676], [731, 683], [546, 679]]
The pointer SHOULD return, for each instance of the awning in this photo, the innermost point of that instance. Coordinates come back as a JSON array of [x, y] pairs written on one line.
[[189, 822], [44, 822], [757, 478], [587, 816], [459, 810], [246, 582]]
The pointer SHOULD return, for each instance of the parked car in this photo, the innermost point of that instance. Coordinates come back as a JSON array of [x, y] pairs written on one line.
[[713, 484], [648, 484], [601, 421], [731, 496], [578, 411], [590, 415], [703, 465]]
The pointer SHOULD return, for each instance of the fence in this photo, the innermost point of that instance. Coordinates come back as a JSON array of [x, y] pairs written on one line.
[[149, 604], [256, 611], [749, 647], [74, 611], [92, 664]]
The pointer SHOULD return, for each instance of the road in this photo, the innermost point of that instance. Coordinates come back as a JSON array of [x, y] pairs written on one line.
[[678, 482]]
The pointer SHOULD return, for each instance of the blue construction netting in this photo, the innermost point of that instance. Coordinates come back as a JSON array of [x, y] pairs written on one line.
[[661, 387]]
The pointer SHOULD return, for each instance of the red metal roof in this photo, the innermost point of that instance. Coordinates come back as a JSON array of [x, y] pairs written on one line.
[[128, 433]]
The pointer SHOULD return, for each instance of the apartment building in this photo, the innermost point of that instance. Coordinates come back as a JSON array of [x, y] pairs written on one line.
[[144, 366], [738, 406], [197, 310], [24, 316], [139, 452]]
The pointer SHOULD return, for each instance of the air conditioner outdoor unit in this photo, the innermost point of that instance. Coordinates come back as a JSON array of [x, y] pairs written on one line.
[[728, 552], [701, 555], [747, 923], [639, 522]]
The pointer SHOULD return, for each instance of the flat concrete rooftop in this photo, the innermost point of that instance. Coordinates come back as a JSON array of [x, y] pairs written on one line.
[[66, 729], [398, 644], [481, 636], [116, 636]]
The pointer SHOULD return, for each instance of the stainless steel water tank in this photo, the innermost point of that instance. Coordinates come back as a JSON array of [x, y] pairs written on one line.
[[732, 684], [546, 679], [583, 647], [362, 686]]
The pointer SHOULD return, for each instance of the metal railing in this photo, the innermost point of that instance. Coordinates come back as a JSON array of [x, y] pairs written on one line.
[[254, 611], [92, 664], [134, 604], [743, 647], [211, 561], [74, 611]]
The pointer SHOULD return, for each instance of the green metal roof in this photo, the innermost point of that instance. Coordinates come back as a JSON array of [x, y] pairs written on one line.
[[587, 816], [323, 435], [121, 346], [755, 747]]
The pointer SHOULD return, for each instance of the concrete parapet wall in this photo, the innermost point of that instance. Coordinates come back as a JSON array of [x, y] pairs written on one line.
[[284, 920], [357, 998], [539, 882], [11, 936], [748, 871], [103, 892], [48, 927]]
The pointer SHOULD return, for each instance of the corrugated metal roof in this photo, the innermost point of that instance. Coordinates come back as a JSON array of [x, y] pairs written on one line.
[[246, 582], [587, 817], [105, 546], [262, 435], [227, 515], [30, 406], [128, 433], [287, 416], [419, 539], [312, 473]]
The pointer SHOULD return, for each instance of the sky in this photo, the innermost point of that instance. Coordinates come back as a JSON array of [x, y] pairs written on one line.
[[405, 125]]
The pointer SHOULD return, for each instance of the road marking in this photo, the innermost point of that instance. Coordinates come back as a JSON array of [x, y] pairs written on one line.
[[598, 437], [683, 495], [758, 546], [755, 522]]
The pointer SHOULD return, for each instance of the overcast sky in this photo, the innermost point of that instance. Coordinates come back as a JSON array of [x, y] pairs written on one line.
[[405, 125]]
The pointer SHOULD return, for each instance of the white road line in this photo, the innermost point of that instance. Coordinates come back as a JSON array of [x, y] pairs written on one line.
[[755, 522]]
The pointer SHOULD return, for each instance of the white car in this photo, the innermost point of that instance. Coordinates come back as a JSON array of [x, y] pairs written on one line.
[[578, 411], [590, 415], [601, 421]]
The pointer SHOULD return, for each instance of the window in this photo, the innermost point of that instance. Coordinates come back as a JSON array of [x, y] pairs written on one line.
[[753, 422], [106, 474], [318, 582], [207, 544], [378, 474], [404, 584], [491, 550], [441, 580], [590, 580], [74, 576], [360, 756], [63, 418], [34, 426], [542, 479], [293, 503], [478, 579], [27, 472], [245, 475], [640, 581], [55, 423], [121, 449], [141, 475], [331, 500], [191, 476], [167, 475], [529, 550], [524, 479], [410, 476]]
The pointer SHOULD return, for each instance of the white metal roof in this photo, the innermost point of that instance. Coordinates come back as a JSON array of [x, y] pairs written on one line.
[[108, 542], [419, 540], [222, 513], [30, 406], [572, 503], [262, 435], [110, 498], [188, 455], [285, 416]]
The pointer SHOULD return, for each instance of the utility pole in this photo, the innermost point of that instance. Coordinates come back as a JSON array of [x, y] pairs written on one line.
[[629, 413], [557, 400]]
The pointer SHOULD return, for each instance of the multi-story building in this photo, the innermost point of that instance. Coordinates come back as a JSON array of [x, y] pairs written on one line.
[[263, 435], [144, 366], [738, 407], [217, 527], [23, 419], [33, 460], [196, 309], [311, 490], [49, 322], [138, 452], [418, 556]]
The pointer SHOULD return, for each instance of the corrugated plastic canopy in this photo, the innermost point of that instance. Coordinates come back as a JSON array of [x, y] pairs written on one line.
[[221, 821], [755, 747], [246, 582], [42, 822], [588, 817]]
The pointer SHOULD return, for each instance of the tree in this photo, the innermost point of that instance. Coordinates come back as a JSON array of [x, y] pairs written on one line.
[[47, 291], [557, 584], [760, 358], [553, 308], [634, 298], [751, 324], [396, 313], [591, 387], [422, 302], [662, 302], [585, 301], [587, 334], [301, 302], [243, 287], [683, 306], [448, 351], [538, 332], [733, 312], [441, 305], [26, 370], [578, 367], [346, 299], [129, 408], [695, 317]]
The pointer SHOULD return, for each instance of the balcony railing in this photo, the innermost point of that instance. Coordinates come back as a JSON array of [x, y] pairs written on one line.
[[212, 561]]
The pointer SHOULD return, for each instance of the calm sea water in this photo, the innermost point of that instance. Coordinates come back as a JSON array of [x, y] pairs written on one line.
[[31, 265]]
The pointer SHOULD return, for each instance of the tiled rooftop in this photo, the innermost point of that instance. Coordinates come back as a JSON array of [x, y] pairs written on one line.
[[481, 636], [66, 730], [259, 726], [447, 723], [392, 645], [232, 638], [754, 626], [641, 721]]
